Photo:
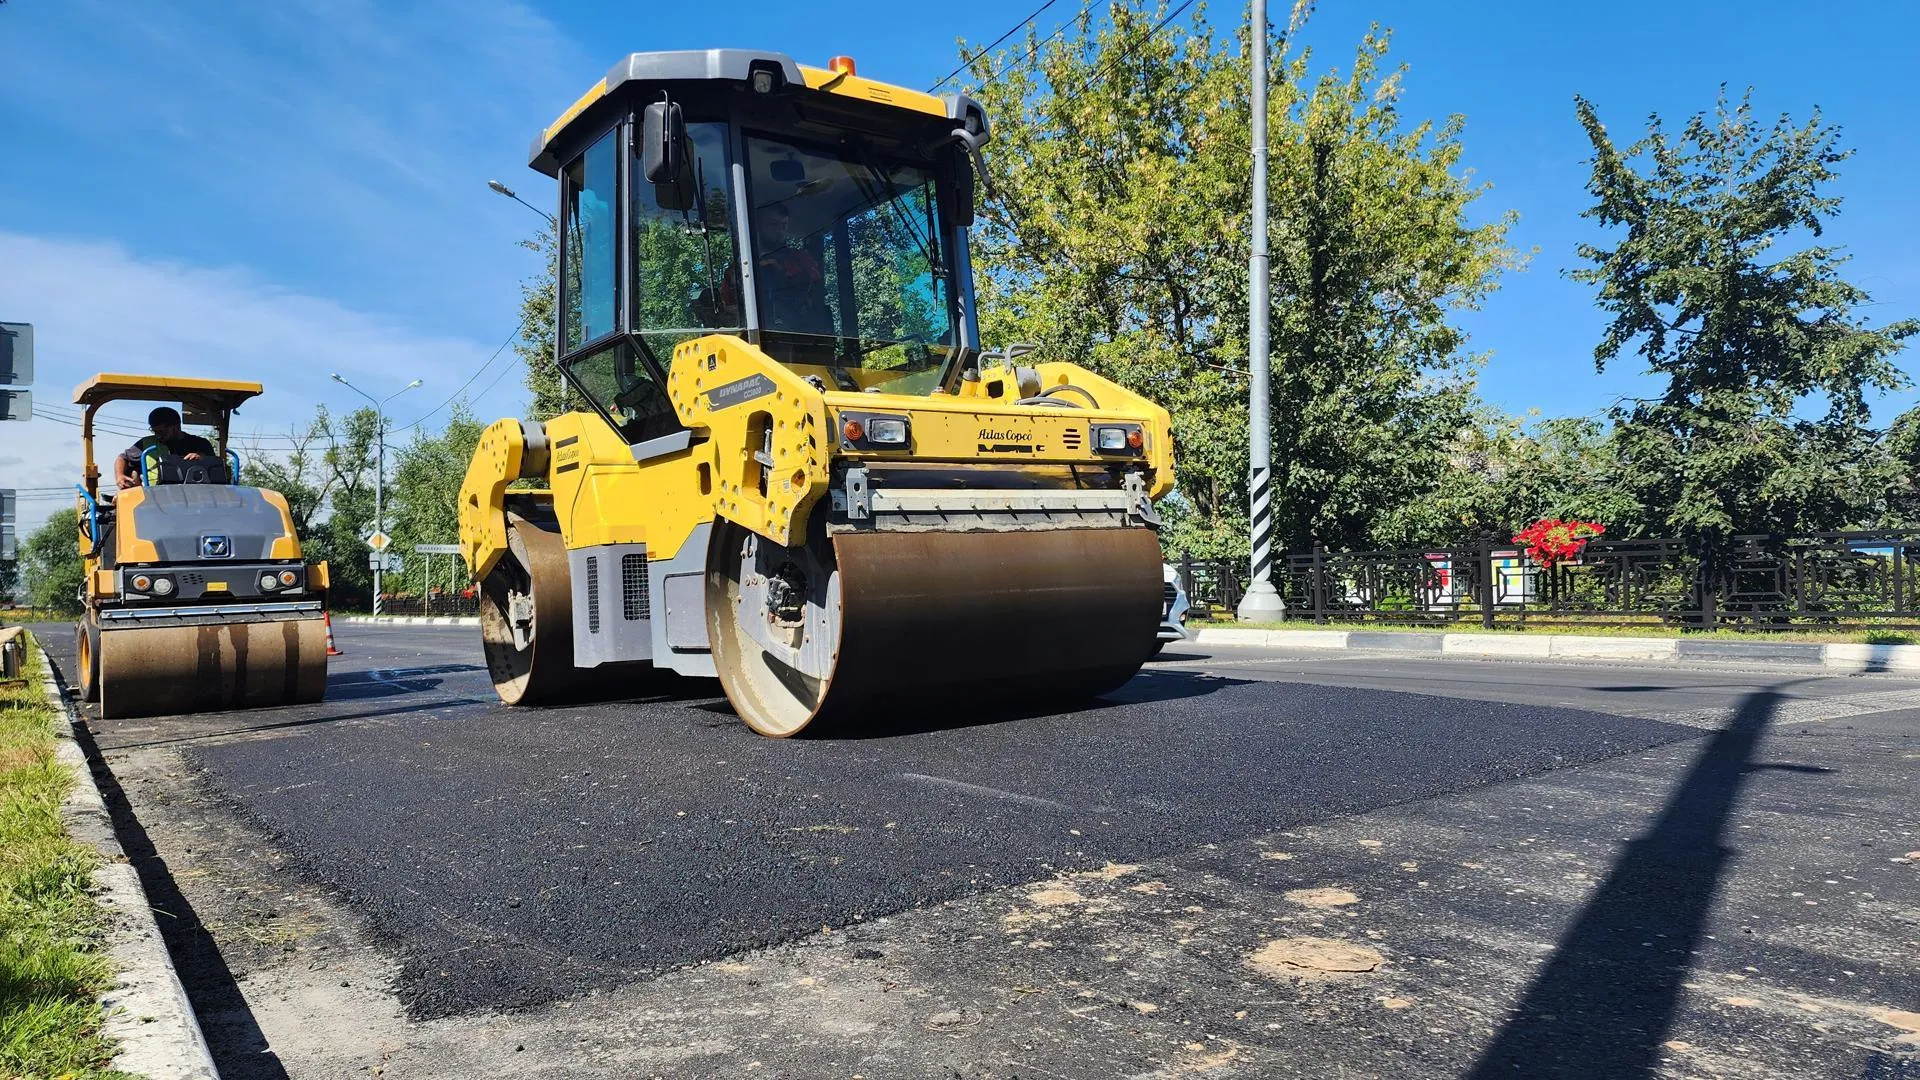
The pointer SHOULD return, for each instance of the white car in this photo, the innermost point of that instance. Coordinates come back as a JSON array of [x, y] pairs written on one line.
[[1173, 607]]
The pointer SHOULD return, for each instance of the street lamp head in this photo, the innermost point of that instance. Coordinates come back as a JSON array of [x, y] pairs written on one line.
[[413, 384], [502, 189], [336, 378]]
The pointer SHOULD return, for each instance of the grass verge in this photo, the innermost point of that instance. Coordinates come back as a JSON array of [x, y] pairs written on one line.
[[51, 974]]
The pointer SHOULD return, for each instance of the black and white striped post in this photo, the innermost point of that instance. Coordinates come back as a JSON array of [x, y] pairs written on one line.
[[1261, 603]]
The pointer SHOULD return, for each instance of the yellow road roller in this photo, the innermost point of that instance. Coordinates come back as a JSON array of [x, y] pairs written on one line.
[[195, 596], [793, 465]]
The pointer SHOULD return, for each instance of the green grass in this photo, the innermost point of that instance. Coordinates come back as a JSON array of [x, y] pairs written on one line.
[[1868, 637], [51, 975]]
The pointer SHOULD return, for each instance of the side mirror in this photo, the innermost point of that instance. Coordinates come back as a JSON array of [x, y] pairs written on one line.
[[663, 155], [663, 135]]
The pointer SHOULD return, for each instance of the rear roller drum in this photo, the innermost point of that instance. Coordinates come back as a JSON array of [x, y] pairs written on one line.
[[526, 616], [86, 634]]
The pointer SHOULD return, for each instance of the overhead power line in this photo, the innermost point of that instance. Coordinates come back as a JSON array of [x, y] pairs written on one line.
[[511, 338], [1011, 30]]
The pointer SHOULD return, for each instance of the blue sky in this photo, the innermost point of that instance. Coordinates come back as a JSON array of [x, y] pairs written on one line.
[[281, 190]]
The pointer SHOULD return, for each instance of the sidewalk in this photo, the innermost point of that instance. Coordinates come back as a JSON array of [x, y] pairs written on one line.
[[1845, 658]]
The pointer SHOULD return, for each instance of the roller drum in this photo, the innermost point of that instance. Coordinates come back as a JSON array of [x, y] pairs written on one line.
[[922, 621], [159, 670]]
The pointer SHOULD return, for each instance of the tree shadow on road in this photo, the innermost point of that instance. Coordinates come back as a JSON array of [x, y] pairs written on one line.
[[1602, 1005]]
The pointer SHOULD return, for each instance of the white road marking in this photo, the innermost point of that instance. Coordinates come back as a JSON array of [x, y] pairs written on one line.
[[991, 793]]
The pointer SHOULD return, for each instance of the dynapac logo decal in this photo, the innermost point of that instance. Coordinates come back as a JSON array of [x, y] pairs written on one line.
[[1005, 442], [725, 397]]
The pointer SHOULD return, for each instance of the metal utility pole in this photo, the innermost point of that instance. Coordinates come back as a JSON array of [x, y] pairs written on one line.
[[379, 477], [1261, 603]]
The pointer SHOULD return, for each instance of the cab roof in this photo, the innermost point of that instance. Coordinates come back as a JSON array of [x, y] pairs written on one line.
[[221, 395], [693, 65]]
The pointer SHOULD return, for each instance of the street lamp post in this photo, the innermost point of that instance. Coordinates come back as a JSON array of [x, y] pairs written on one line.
[[1261, 602], [503, 189], [380, 471]]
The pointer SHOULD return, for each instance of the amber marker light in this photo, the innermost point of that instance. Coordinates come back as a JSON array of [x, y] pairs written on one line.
[[841, 65], [853, 431]]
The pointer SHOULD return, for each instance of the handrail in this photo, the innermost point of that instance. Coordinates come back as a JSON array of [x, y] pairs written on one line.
[[93, 517], [156, 449], [234, 456]]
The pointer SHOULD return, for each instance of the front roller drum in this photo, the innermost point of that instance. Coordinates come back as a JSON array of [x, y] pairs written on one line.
[[155, 671], [864, 629]]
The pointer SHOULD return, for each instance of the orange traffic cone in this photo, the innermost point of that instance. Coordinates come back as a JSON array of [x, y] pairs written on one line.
[[331, 649]]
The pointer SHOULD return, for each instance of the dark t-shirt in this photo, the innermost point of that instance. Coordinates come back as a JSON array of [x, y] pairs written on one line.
[[180, 445]]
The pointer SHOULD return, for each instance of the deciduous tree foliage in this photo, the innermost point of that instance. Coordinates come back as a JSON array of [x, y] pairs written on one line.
[[1715, 278], [50, 564], [1117, 237]]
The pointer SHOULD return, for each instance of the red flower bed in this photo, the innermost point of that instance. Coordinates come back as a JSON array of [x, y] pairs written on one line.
[[1551, 540]]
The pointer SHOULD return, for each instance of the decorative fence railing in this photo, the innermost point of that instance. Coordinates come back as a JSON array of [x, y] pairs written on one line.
[[437, 604], [1831, 580]]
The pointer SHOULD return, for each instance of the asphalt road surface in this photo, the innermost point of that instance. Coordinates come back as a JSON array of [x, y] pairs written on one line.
[[1548, 866]]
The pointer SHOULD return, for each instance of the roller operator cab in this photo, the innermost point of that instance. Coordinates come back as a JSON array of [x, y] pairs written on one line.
[[195, 595], [794, 466]]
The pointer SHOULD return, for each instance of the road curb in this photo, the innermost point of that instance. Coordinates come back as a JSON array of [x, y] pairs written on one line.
[[147, 1011], [1846, 658], [413, 620]]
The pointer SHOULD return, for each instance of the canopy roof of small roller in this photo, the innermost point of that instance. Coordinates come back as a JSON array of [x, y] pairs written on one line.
[[215, 395]]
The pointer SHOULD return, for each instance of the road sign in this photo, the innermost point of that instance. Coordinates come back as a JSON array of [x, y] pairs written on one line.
[[8, 549], [379, 541], [8, 506], [390, 561], [16, 404], [16, 353], [436, 549]]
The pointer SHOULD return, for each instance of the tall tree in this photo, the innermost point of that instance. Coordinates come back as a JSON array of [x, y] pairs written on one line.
[[1762, 423], [546, 389], [1116, 238], [50, 564]]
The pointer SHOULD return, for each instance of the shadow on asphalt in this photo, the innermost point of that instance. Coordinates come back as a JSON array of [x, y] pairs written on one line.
[[240, 1052], [281, 725], [1602, 1005], [392, 682]]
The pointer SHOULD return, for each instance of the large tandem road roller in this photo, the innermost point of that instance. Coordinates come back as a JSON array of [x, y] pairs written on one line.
[[195, 597], [792, 465]]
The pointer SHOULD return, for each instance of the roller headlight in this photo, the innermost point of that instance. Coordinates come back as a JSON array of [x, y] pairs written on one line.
[[268, 583], [163, 586], [887, 431], [1118, 438]]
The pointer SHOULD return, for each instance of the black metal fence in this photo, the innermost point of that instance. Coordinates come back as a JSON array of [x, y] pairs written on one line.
[[435, 604], [1833, 580]]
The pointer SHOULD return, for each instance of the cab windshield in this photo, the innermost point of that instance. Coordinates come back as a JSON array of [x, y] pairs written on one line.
[[849, 276]]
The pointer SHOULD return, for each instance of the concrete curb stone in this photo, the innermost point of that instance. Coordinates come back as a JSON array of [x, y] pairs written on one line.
[[147, 1011], [1846, 657], [413, 620]]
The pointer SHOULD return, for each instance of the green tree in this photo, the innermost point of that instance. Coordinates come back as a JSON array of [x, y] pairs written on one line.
[[1716, 279], [50, 564], [1117, 240], [423, 488], [347, 468], [546, 388]]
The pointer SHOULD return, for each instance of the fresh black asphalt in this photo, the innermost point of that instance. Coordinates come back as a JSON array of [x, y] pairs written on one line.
[[513, 857]]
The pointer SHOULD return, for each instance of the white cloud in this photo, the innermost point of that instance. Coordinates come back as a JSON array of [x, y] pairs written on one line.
[[96, 307]]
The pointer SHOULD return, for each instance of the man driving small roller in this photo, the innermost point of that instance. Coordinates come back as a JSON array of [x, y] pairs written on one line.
[[165, 423]]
